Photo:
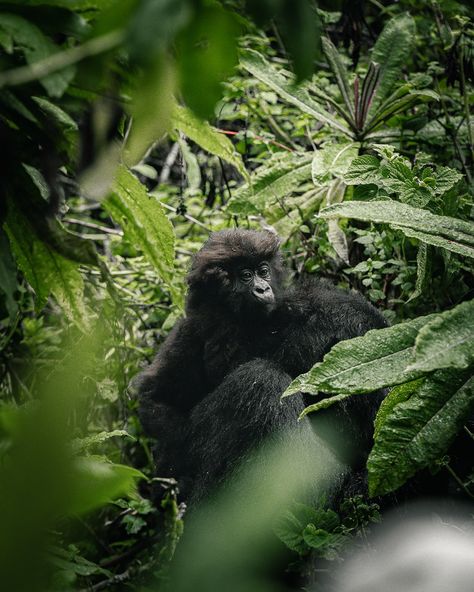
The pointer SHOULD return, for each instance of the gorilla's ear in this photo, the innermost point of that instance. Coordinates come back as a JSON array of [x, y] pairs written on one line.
[[207, 275]]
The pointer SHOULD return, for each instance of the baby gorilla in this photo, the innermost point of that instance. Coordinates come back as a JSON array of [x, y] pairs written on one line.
[[212, 394]]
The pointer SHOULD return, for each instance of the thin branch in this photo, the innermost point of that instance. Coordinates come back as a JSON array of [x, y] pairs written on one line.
[[86, 224], [187, 216], [61, 60]]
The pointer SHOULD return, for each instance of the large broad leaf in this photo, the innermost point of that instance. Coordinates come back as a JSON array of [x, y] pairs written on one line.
[[36, 46], [256, 64], [46, 270], [207, 137], [419, 431], [206, 55], [95, 483], [144, 222], [271, 183], [447, 341], [452, 234], [391, 51], [376, 360]]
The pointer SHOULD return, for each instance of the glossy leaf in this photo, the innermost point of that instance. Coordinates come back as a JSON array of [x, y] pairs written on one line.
[[144, 222], [447, 341], [450, 233], [420, 430], [364, 364]]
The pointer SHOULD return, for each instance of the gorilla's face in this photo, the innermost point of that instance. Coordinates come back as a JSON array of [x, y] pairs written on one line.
[[252, 288]]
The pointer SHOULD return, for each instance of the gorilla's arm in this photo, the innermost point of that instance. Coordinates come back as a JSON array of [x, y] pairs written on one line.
[[176, 376], [236, 418]]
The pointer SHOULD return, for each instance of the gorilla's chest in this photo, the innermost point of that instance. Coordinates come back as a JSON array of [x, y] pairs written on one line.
[[232, 346], [295, 346]]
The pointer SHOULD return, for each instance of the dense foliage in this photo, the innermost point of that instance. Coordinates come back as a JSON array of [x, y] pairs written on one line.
[[131, 129]]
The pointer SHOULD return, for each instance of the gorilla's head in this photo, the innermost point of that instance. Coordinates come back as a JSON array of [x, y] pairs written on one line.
[[240, 269]]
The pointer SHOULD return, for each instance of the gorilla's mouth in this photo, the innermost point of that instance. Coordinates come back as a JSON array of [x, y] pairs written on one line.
[[266, 298]]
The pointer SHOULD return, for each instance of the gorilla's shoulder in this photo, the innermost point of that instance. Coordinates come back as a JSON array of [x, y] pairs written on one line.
[[318, 298]]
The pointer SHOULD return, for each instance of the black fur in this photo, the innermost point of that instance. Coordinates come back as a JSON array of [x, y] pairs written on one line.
[[212, 394]]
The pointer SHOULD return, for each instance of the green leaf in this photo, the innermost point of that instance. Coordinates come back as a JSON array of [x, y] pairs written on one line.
[[397, 395], [333, 160], [193, 172], [364, 364], [8, 273], [56, 113], [405, 97], [289, 529], [419, 431], [46, 270], [363, 170], [254, 63], [151, 108], [270, 183], [340, 72], [95, 483], [421, 271], [207, 55], [208, 138], [392, 50], [36, 46], [447, 341], [450, 233], [83, 444], [144, 222]]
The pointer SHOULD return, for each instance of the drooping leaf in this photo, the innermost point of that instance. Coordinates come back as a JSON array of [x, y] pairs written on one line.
[[46, 270], [373, 361], [144, 222], [450, 233], [391, 51], [256, 64], [419, 431], [207, 137], [447, 341]]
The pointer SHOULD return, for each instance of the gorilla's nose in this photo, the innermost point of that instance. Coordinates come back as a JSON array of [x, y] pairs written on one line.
[[263, 291]]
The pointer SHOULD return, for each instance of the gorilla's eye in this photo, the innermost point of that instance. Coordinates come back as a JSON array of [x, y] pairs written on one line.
[[264, 271], [246, 275]]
